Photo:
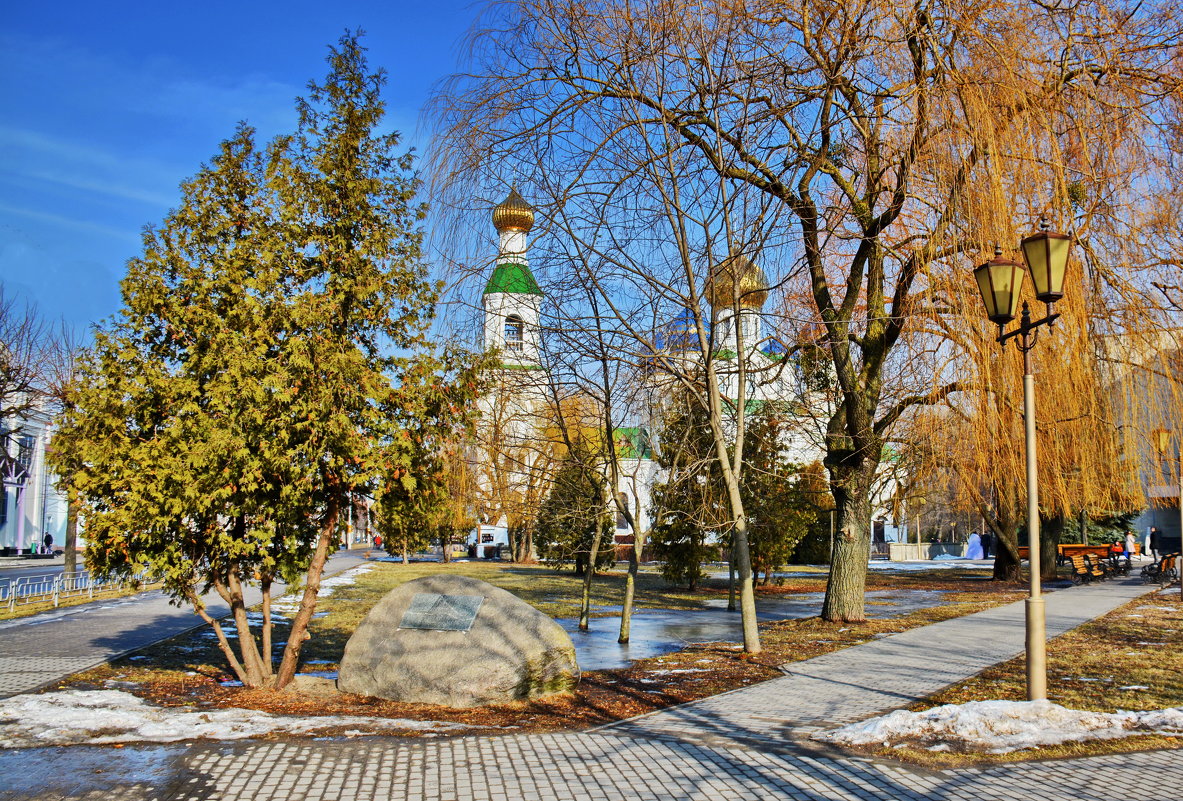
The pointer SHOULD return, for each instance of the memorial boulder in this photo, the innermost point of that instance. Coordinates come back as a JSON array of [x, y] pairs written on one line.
[[458, 642]]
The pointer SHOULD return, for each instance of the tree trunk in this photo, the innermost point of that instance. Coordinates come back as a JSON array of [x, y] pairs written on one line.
[[268, 656], [1006, 558], [1050, 531], [585, 602], [299, 631], [731, 607], [71, 547], [747, 590], [513, 536], [230, 590], [1003, 521], [527, 554], [846, 589], [630, 587], [223, 643], [445, 544]]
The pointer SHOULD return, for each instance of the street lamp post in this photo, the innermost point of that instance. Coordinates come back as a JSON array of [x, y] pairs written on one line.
[[1001, 282]]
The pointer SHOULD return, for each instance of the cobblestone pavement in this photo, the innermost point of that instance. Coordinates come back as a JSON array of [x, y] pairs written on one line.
[[747, 744], [40, 649]]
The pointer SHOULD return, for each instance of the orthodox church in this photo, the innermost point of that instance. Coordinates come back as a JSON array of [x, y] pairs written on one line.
[[517, 418], [512, 472]]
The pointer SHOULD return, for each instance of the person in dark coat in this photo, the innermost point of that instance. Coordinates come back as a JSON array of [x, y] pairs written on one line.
[[987, 542], [1155, 541]]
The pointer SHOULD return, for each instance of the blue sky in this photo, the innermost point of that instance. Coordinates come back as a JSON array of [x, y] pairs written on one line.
[[107, 107]]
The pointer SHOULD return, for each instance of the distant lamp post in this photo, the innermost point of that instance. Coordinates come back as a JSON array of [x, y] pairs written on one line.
[[1001, 282]]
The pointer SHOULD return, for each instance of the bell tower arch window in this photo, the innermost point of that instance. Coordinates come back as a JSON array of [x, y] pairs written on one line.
[[515, 330]]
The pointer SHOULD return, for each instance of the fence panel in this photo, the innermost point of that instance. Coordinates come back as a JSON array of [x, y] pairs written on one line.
[[32, 589]]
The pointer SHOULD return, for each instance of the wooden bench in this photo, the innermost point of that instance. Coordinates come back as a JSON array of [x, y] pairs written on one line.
[[1083, 570], [1162, 572]]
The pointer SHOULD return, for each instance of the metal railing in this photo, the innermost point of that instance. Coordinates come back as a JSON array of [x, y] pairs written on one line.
[[55, 588]]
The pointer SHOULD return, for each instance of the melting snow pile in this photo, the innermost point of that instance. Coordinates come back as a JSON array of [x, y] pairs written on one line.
[[111, 716], [996, 727]]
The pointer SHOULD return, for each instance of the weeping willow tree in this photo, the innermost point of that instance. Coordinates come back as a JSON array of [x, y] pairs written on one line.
[[1081, 441], [1098, 160], [871, 149]]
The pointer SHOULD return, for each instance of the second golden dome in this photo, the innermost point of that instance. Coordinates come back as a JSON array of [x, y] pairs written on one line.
[[737, 274]]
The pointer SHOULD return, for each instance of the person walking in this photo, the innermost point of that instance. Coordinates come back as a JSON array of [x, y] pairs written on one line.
[[1155, 541], [1130, 546], [987, 540]]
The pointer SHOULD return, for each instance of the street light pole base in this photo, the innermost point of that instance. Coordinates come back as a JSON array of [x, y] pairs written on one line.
[[1036, 651]]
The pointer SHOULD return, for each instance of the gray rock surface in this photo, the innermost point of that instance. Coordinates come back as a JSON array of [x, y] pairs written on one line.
[[511, 652]]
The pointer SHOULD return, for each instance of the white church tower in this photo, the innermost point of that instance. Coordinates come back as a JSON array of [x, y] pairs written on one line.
[[512, 299]]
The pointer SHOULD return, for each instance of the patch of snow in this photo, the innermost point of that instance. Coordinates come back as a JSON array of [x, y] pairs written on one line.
[[1159, 608], [291, 602], [954, 562], [998, 727], [946, 557], [1135, 615], [99, 717], [677, 670], [1134, 687]]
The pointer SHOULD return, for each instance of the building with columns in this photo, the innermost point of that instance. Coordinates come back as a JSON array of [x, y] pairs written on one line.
[[31, 506]]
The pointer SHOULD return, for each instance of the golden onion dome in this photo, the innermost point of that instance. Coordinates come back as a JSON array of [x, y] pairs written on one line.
[[513, 213], [737, 275]]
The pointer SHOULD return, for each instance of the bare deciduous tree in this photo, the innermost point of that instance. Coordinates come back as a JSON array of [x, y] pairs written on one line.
[[867, 147]]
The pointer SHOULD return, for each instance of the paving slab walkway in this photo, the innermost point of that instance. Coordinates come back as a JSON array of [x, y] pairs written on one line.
[[747, 744]]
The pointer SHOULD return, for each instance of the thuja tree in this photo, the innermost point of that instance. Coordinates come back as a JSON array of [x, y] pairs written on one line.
[[780, 498], [777, 493], [246, 391], [573, 517], [879, 141], [691, 502]]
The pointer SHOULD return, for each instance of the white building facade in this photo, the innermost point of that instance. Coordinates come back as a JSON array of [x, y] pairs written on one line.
[[31, 506]]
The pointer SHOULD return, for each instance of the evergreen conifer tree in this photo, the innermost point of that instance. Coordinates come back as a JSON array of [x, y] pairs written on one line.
[[254, 382]]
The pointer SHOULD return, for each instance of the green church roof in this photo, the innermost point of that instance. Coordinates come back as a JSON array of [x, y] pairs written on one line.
[[513, 279], [632, 442]]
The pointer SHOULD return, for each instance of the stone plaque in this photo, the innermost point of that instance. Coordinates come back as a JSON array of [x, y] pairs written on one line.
[[434, 612]]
